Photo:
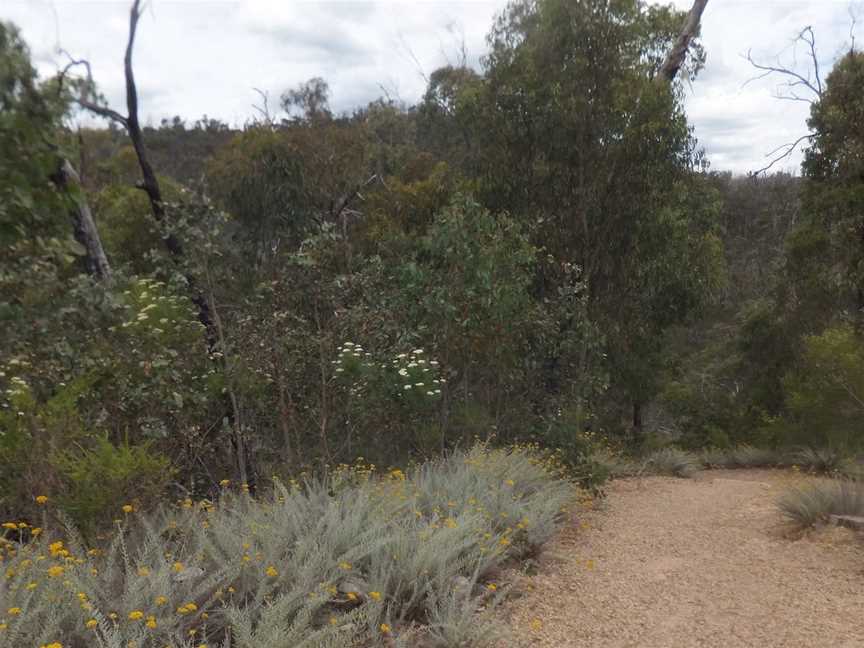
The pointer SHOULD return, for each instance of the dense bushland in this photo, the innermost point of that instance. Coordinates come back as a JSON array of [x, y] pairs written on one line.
[[536, 251]]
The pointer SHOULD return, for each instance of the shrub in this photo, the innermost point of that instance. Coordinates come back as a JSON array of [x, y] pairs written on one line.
[[812, 503], [339, 560]]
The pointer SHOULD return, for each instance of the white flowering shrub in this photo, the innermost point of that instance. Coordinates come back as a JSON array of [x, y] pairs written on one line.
[[409, 378], [342, 560], [391, 397]]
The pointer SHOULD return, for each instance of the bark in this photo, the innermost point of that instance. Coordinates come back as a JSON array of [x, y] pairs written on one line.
[[675, 58], [637, 420], [83, 225]]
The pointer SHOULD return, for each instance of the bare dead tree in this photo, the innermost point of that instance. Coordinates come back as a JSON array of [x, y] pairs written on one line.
[[676, 56], [149, 183], [130, 122], [795, 85]]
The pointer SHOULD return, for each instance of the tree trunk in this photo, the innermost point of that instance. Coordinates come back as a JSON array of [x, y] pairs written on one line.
[[675, 58], [637, 420], [83, 225]]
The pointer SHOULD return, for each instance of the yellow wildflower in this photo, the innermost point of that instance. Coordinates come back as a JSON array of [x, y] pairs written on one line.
[[14, 611], [41, 499], [375, 596], [128, 508], [271, 572], [385, 629], [134, 615], [92, 623]]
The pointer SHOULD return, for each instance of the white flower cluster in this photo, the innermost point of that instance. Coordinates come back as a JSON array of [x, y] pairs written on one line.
[[350, 357], [418, 374], [146, 298]]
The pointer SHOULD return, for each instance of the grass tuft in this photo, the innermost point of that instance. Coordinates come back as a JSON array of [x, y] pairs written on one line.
[[672, 461], [812, 504], [742, 456]]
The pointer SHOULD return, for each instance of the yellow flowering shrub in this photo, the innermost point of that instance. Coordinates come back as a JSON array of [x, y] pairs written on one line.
[[340, 560]]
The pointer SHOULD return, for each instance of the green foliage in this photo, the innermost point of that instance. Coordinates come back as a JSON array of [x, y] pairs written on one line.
[[343, 560], [824, 394]]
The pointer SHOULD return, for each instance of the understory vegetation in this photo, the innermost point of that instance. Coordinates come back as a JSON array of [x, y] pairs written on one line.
[[346, 559]]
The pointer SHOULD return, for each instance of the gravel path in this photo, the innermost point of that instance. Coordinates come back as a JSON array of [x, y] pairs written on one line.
[[690, 563]]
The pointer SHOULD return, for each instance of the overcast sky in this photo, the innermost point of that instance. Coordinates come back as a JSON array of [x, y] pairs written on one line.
[[203, 56]]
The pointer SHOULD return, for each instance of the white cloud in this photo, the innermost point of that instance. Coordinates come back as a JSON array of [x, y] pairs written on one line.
[[205, 56]]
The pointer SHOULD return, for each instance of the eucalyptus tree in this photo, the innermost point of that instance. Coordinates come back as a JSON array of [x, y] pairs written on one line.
[[577, 126]]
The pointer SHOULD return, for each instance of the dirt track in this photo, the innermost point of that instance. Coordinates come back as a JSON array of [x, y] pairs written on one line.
[[693, 563]]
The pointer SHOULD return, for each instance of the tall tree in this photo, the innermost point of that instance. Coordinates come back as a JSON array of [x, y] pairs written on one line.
[[577, 126]]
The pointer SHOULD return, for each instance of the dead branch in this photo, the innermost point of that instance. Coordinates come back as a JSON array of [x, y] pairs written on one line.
[[345, 201], [794, 79], [787, 150], [264, 108], [675, 58]]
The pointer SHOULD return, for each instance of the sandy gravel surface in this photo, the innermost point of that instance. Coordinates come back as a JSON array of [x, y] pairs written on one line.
[[703, 562]]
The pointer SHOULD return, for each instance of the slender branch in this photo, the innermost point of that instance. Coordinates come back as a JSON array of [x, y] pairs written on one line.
[[88, 91], [264, 108], [790, 148], [810, 39], [102, 111]]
